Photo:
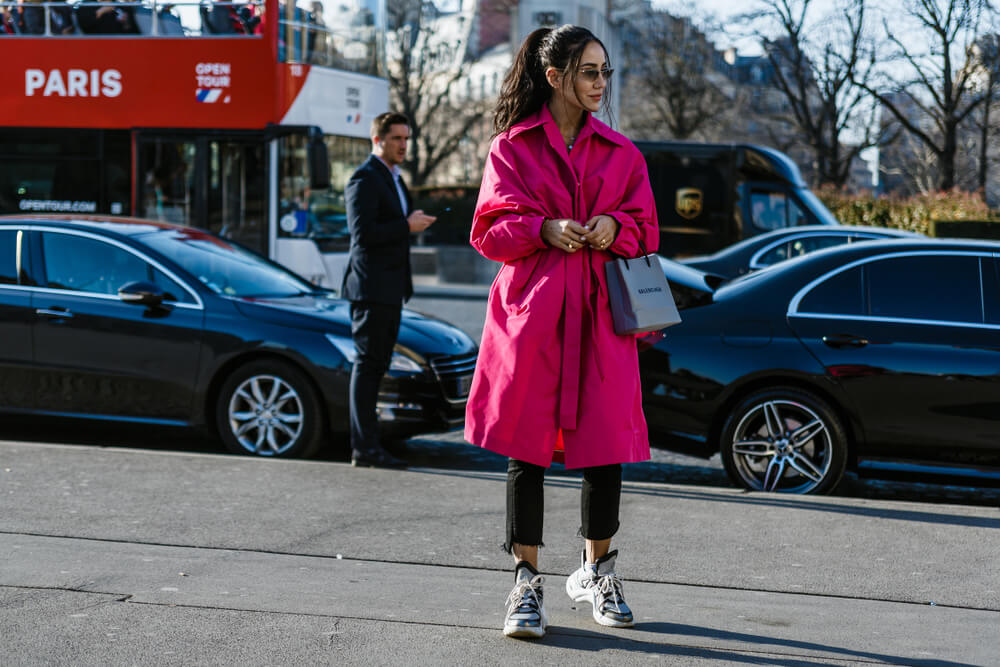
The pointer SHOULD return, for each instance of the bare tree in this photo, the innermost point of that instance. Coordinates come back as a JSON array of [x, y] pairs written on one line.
[[819, 63], [937, 53], [673, 84], [986, 55], [428, 65], [907, 164]]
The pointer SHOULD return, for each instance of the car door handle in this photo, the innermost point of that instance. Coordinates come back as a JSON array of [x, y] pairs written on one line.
[[56, 313], [844, 340]]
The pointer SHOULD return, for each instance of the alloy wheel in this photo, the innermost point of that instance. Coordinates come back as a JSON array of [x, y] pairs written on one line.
[[266, 415], [782, 445]]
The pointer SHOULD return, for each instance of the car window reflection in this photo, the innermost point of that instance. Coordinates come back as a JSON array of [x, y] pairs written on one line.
[[82, 264], [8, 257], [227, 268], [768, 210], [918, 287], [798, 247], [928, 288], [841, 294]]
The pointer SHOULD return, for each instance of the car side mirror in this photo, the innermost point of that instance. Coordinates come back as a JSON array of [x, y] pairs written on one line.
[[141, 293]]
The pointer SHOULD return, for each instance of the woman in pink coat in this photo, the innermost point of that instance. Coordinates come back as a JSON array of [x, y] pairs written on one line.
[[562, 194]]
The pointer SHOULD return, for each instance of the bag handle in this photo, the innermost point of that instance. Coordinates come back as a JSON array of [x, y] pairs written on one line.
[[645, 255]]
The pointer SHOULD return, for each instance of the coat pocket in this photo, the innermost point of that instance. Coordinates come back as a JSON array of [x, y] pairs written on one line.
[[522, 271], [518, 277]]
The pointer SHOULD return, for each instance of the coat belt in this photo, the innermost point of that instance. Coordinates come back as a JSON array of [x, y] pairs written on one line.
[[576, 306]]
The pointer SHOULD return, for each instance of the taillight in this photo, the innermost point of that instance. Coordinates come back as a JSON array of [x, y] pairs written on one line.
[[648, 339]]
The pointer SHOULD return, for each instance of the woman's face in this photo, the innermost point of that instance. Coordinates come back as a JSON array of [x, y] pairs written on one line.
[[577, 88]]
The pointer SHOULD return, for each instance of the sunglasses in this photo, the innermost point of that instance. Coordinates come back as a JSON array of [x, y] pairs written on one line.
[[592, 74]]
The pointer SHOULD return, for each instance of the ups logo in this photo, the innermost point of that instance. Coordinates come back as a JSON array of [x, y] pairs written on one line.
[[688, 203]]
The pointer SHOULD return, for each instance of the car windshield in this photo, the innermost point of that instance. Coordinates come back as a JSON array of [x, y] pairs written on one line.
[[226, 268]]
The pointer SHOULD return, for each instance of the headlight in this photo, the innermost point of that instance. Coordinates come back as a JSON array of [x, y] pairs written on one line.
[[400, 362]]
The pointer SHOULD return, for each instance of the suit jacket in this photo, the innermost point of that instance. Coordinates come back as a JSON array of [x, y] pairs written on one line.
[[379, 267]]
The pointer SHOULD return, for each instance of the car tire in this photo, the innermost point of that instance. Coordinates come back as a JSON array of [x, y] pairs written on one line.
[[784, 440], [269, 408]]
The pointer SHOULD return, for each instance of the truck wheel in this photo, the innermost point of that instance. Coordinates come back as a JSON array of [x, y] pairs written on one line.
[[784, 440], [269, 408]]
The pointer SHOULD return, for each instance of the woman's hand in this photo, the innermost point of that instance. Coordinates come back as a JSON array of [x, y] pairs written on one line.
[[603, 230], [568, 235]]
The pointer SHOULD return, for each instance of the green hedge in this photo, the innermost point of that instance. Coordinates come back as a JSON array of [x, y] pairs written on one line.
[[919, 213]]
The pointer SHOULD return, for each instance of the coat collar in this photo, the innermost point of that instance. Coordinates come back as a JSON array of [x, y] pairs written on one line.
[[394, 171], [382, 168], [544, 117]]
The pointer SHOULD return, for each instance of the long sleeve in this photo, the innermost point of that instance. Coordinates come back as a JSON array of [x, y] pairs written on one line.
[[637, 214], [508, 220]]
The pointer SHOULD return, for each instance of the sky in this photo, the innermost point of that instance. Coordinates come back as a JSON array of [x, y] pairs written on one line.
[[723, 10]]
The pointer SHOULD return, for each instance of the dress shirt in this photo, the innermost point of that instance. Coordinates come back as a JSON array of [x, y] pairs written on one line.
[[396, 178]]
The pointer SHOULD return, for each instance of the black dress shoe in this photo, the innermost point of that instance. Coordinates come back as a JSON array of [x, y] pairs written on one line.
[[377, 459]]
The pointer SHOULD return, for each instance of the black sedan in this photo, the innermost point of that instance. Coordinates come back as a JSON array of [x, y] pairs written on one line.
[[765, 250], [138, 321], [881, 357]]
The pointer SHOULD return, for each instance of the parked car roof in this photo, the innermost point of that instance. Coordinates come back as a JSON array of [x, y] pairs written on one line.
[[120, 225], [753, 253]]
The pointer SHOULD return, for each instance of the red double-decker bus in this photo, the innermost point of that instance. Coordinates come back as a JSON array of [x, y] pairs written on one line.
[[243, 118]]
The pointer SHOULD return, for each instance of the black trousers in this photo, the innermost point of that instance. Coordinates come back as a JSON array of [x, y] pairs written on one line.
[[374, 327], [600, 499]]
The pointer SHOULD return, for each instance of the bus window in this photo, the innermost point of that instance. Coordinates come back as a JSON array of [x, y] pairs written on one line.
[[118, 173], [167, 181], [334, 34], [317, 214], [63, 171], [237, 192], [48, 185]]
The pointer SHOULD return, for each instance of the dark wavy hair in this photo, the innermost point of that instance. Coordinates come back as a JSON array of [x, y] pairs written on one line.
[[525, 88], [383, 122]]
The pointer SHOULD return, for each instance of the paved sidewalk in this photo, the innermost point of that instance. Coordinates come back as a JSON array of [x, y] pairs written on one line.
[[114, 556]]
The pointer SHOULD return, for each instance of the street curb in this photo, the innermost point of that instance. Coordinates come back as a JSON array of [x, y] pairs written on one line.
[[452, 291]]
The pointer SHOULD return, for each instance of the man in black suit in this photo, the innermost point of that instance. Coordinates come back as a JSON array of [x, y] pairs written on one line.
[[378, 279]]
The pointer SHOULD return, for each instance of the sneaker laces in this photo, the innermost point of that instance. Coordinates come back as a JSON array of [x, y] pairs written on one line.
[[525, 599], [611, 590]]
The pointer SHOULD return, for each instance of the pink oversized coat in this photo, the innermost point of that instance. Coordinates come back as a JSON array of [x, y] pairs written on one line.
[[550, 359]]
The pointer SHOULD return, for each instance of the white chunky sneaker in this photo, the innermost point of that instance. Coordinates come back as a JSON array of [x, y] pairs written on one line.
[[598, 584], [525, 611]]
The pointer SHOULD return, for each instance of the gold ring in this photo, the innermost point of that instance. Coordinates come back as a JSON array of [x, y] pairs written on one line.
[[570, 245]]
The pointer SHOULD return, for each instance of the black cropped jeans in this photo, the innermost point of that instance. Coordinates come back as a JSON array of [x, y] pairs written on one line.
[[600, 499]]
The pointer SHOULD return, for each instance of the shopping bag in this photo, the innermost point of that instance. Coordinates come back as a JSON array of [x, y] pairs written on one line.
[[640, 295]]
